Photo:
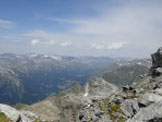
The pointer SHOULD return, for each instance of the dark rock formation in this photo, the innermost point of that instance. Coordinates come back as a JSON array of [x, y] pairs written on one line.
[[157, 58]]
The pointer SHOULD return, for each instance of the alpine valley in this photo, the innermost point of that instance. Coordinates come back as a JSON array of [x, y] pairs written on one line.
[[50, 88]]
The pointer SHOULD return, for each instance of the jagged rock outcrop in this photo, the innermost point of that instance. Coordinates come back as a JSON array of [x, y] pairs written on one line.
[[157, 58], [150, 89]]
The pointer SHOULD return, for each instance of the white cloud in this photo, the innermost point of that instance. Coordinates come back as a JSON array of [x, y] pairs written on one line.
[[98, 46], [69, 21], [51, 42], [66, 44], [115, 45], [35, 42], [140, 23], [5, 24], [111, 46]]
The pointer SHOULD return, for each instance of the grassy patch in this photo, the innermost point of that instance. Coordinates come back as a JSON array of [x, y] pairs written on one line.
[[3, 118], [103, 107], [115, 112]]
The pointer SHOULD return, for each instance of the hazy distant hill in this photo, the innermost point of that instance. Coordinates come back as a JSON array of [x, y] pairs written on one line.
[[126, 72]]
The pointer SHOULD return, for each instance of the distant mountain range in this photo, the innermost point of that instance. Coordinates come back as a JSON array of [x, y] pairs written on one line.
[[32, 77]]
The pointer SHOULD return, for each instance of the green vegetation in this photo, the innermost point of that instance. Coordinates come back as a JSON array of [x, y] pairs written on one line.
[[3, 118], [104, 104], [115, 112]]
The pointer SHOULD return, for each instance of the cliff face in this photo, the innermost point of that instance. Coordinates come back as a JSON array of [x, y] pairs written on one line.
[[100, 101]]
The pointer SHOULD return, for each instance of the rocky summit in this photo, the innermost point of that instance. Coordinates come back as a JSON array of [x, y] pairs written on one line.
[[99, 101]]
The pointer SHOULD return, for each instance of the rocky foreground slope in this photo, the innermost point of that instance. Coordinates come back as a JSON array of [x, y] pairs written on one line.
[[100, 101]]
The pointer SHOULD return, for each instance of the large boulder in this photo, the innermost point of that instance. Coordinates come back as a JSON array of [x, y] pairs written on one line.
[[152, 113], [130, 107]]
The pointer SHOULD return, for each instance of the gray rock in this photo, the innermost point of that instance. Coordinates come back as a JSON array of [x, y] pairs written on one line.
[[101, 88], [16, 115], [130, 107], [149, 98], [158, 91], [152, 113], [93, 115], [156, 72]]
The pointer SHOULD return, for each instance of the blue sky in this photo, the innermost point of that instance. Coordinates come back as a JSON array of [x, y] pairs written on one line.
[[115, 28]]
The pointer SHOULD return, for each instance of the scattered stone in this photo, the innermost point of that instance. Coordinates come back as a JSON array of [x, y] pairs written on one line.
[[148, 99]]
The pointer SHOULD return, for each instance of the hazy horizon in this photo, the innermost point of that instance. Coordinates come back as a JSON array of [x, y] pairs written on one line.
[[110, 28], [78, 56]]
